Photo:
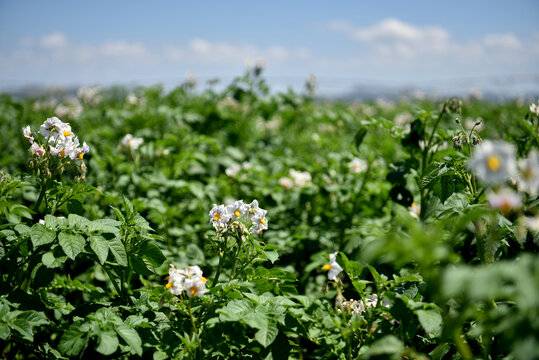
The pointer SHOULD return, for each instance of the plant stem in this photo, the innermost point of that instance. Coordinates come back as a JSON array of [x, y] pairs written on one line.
[[193, 323], [220, 266], [41, 195], [113, 282]]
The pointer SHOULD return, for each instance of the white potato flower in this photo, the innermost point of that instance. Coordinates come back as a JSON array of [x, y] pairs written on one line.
[[415, 210], [260, 223], [219, 217], [233, 170], [357, 165], [528, 179], [237, 209], [132, 142], [189, 280], [27, 132], [54, 128], [505, 200], [493, 162], [37, 150], [534, 109], [300, 178], [333, 267], [285, 182]]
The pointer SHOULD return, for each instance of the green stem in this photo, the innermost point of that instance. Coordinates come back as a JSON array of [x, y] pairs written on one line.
[[220, 266], [112, 280], [193, 323], [462, 346], [41, 195]]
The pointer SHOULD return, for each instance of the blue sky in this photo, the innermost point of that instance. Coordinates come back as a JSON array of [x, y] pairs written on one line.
[[400, 42]]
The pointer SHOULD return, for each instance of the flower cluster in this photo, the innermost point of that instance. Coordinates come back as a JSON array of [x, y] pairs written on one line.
[[534, 109], [333, 268], [189, 280], [232, 171], [221, 216], [493, 162], [60, 140], [131, 142]]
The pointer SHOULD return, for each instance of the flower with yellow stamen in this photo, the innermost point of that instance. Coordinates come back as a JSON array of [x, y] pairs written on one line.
[[333, 268], [493, 162]]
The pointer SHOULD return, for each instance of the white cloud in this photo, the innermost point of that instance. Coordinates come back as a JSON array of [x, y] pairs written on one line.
[[53, 40], [504, 41]]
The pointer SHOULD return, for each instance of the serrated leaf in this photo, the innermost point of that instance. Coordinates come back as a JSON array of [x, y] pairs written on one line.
[[100, 247], [131, 337], [71, 244], [431, 321], [107, 342], [117, 249], [40, 235], [272, 255], [73, 341], [267, 335]]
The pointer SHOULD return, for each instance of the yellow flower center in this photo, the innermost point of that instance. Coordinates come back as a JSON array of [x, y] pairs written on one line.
[[493, 163], [80, 155], [129, 142], [63, 153], [203, 279], [168, 286], [237, 213], [262, 222], [67, 133], [216, 217], [326, 267], [193, 291]]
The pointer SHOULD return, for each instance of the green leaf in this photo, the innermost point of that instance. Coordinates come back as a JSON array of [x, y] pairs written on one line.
[[74, 206], [77, 222], [360, 135], [197, 189], [51, 261], [71, 244], [131, 337], [40, 235], [140, 267], [431, 321], [152, 253], [107, 342], [73, 341], [267, 335], [448, 187], [387, 345], [272, 255], [117, 249], [100, 247], [4, 331]]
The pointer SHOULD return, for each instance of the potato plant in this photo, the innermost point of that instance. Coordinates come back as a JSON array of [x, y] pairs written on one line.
[[245, 224]]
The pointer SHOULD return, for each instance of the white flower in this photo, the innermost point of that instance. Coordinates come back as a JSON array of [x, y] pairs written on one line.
[[285, 182], [246, 165], [493, 162], [505, 200], [353, 307], [219, 217], [237, 209], [415, 210], [189, 280], [54, 128], [357, 165], [27, 132], [67, 147], [333, 267], [300, 179], [254, 211], [371, 301], [233, 170], [532, 223], [260, 223], [534, 109], [132, 142], [528, 181], [36, 149], [71, 110]]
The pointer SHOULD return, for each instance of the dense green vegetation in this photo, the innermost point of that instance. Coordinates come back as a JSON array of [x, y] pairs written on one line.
[[439, 256]]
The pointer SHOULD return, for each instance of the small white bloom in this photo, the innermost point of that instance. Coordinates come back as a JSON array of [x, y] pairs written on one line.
[[353, 307], [333, 267], [493, 162], [53, 128], [415, 210], [36, 149], [505, 200], [532, 223], [233, 170], [255, 211], [189, 280], [132, 142], [285, 182], [260, 223], [27, 132], [357, 165], [237, 209], [246, 165], [219, 217], [371, 301], [528, 180], [300, 179], [534, 109]]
